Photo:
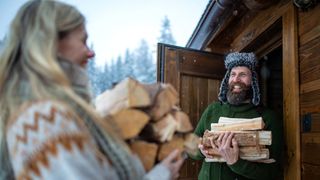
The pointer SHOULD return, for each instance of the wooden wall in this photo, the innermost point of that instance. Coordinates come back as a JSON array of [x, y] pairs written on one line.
[[309, 69]]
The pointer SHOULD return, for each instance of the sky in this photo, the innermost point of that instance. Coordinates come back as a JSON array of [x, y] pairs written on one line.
[[115, 25]]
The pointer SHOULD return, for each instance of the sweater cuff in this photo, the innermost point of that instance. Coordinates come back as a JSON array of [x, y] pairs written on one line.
[[238, 165], [158, 172], [198, 156]]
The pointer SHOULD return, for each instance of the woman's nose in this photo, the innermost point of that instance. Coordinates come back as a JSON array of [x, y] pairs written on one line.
[[91, 54]]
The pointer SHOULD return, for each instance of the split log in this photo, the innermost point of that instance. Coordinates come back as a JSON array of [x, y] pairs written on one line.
[[191, 142], [164, 129], [153, 90], [244, 138], [188, 143], [236, 124], [147, 152], [126, 94], [183, 122], [177, 142], [164, 101], [246, 153], [130, 122]]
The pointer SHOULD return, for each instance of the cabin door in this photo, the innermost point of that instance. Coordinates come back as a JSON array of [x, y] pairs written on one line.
[[196, 75]]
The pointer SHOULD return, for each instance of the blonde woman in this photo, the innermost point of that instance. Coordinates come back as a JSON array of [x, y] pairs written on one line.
[[48, 128]]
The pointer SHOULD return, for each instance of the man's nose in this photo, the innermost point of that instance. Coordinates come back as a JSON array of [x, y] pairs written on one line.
[[236, 78]]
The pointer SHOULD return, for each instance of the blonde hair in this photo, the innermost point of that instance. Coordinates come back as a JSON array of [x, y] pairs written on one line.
[[30, 54]]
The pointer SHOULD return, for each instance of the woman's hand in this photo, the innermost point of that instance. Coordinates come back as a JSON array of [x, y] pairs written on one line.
[[173, 163]]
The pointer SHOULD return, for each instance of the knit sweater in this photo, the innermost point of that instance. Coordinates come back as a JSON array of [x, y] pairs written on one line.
[[242, 169], [53, 139]]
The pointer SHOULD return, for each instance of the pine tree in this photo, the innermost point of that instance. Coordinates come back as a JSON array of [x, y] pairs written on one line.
[[1, 44], [128, 64], [119, 69], [144, 70], [165, 33], [93, 77]]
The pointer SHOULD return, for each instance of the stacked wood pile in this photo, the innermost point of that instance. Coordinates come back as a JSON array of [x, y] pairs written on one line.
[[252, 140], [148, 119]]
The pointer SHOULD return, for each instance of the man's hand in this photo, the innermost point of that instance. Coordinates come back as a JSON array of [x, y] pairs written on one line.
[[227, 147], [205, 151]]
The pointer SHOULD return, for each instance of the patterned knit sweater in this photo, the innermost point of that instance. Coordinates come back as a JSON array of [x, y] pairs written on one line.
[[47, 141]]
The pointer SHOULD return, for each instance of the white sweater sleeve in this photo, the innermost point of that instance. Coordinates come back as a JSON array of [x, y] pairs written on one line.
[[46, 141], [159, 172]]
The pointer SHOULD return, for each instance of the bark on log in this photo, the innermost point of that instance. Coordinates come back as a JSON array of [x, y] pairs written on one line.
[[254, 153], [244, 138]]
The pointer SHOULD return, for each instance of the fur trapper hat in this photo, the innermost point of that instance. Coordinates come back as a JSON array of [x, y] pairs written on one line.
[[240, 59]]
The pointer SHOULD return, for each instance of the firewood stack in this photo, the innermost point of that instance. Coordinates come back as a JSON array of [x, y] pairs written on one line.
[[148, 119], [249, 135]]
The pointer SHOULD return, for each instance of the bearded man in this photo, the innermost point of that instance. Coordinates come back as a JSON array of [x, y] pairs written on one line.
[[239, 97]]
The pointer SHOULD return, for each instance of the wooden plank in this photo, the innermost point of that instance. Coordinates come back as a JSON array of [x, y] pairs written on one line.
[[310, 172], [315, 122], [309, 61], [312, 34], [192, 63], [256, 28], [235, 124], [213, 90], [308, 21], [292, 170], [310, 122], [310, 86], [310, 102], [236, 120], [310, 147]]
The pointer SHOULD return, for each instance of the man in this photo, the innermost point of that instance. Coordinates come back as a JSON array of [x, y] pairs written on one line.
[[239, 98]]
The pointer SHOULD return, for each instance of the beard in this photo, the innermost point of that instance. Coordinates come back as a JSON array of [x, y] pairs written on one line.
[[237, 98]]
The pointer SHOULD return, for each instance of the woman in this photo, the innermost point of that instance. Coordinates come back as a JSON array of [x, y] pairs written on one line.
[[48, 128]]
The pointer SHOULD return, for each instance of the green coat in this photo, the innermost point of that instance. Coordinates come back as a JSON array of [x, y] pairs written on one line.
[[242, 169]]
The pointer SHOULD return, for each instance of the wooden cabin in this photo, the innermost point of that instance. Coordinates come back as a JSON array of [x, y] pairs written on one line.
[[285, 35]]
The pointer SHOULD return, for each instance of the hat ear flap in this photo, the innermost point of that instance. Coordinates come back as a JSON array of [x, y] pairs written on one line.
[[255, 89], [224, 88]]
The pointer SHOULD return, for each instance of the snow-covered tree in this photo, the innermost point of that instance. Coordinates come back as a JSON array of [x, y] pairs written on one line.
[[128, 66], [93, 74], [165, 33], [145, 70]]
